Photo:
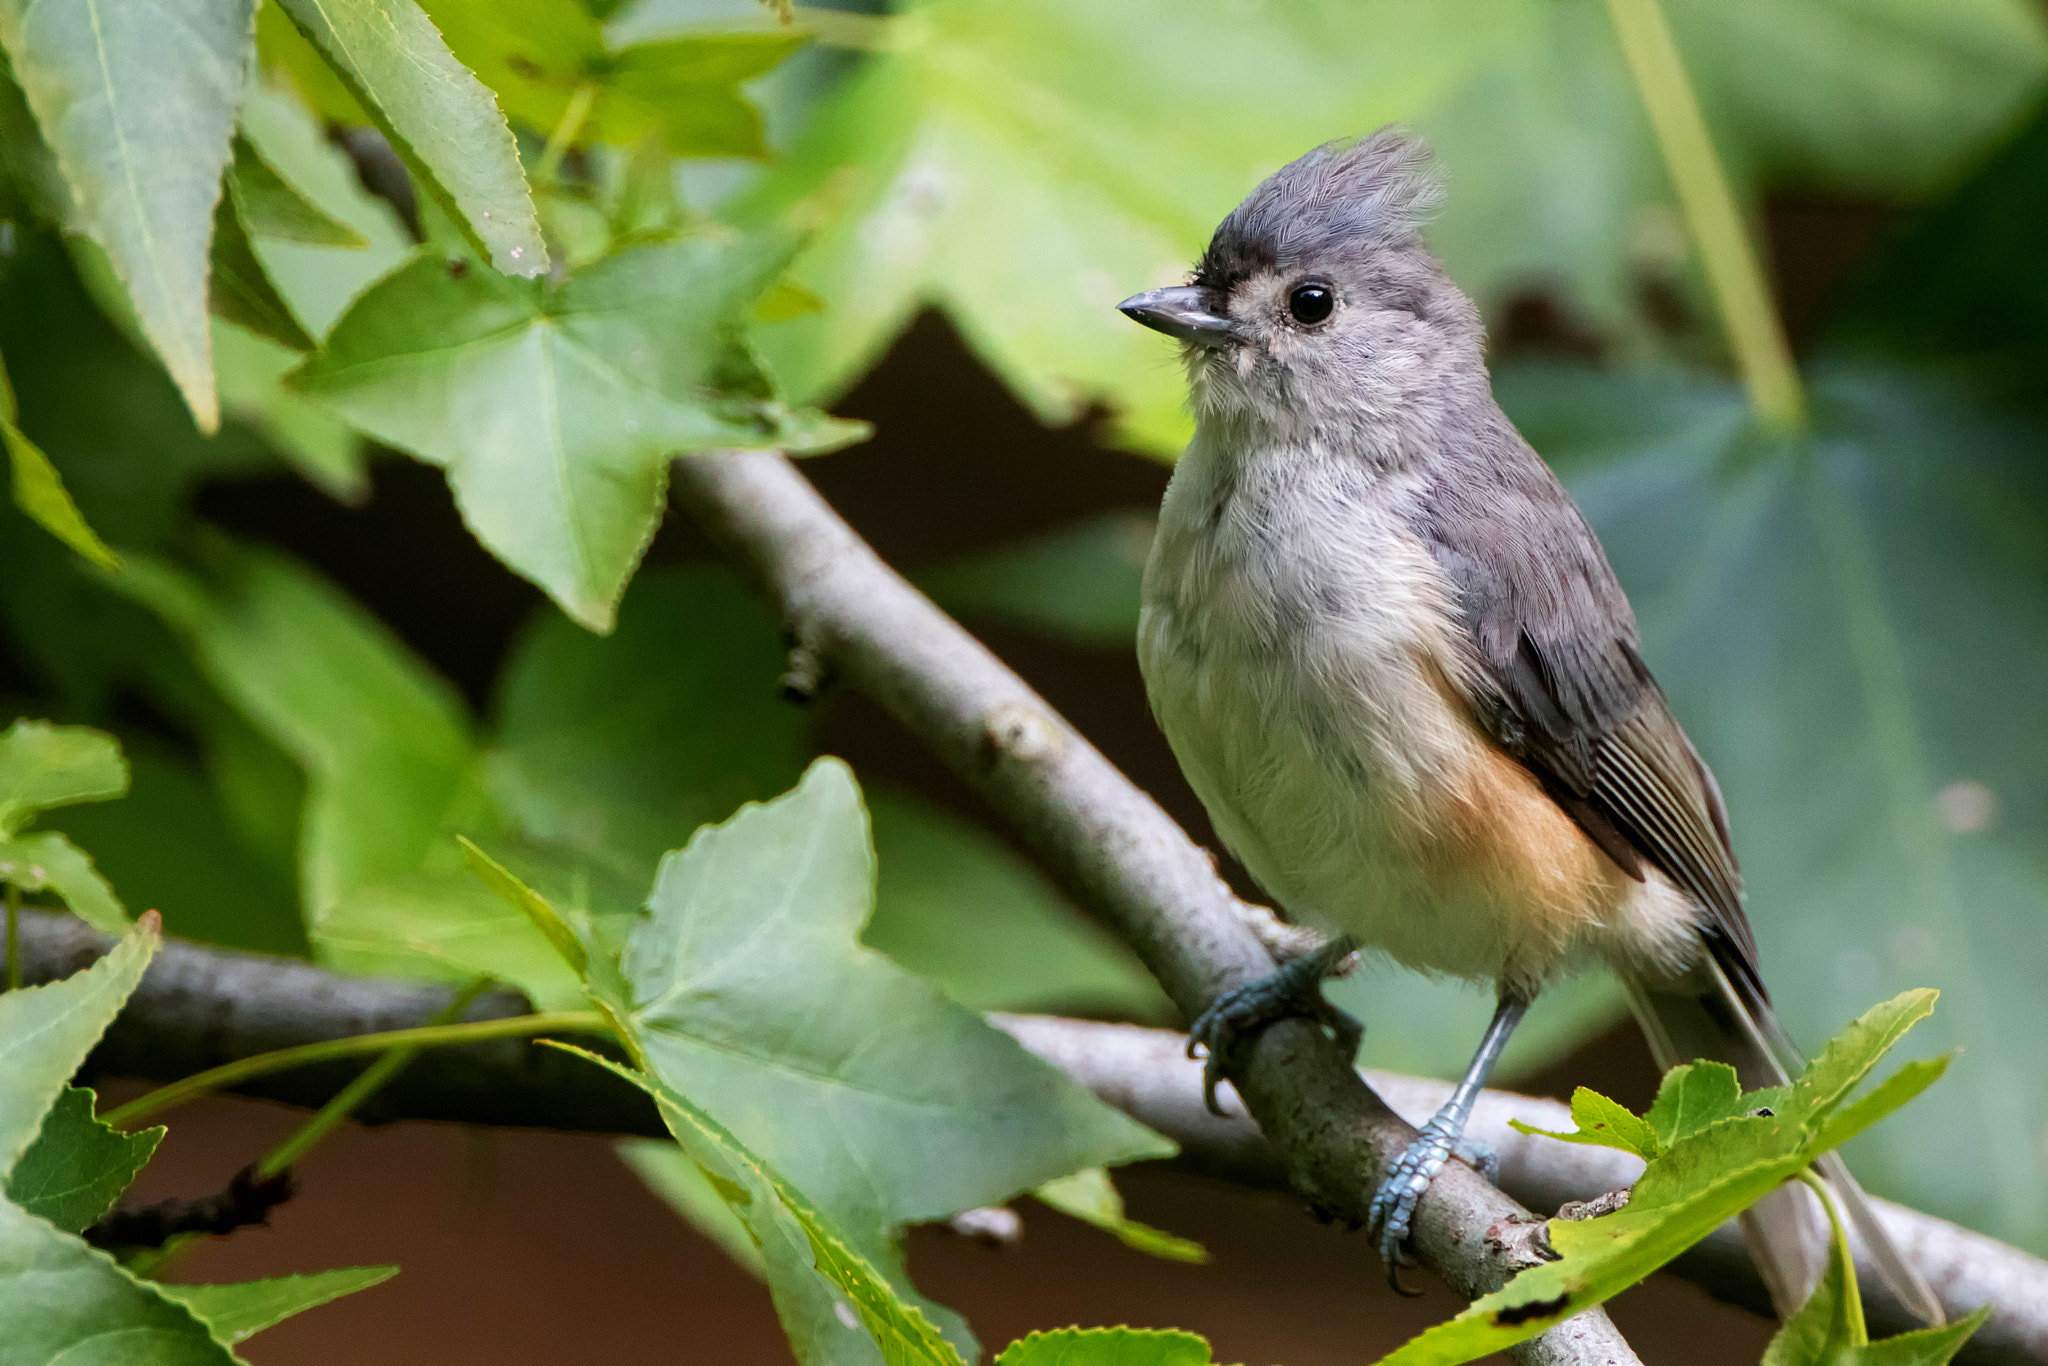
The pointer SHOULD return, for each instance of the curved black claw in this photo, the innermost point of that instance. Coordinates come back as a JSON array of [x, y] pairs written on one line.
[[1295, 990], [1389, 1217]]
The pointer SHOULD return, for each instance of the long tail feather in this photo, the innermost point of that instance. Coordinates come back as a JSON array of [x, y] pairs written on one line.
[[1704, 1015]]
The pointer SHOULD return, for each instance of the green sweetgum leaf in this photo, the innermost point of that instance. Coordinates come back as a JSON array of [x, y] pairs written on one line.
[[438, 116], [242, 291], [1008, 162], [384, 744], [391, 768], [210, 843], [1841, 623], [537, 55], [1823, 1333], [556, 408], [1692, 1097], [44, 766], [39, 490], [46, 861], [619, 746], [1713, 1167], [1604, 1123], [272, 206], [1091, 1196], [137, 101], [318, 280], [46, 1032], [1107, 1347], [319, 445], [837, 1309], [855, 1082], [243, 1309], [65, 1302], [78, 1165]]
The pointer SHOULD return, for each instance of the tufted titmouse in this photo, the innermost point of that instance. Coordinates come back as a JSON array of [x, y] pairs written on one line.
[[1395, 666]]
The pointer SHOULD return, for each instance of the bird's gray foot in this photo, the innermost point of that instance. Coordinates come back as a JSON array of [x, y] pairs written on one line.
[[1390, 1216], [1295, 990]]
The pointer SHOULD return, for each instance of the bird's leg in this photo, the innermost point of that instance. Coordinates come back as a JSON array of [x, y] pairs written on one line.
[[1393, 1204], [1296, 989]]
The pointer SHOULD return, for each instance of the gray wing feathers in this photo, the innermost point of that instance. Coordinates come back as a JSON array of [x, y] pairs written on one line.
[[1555, 677]]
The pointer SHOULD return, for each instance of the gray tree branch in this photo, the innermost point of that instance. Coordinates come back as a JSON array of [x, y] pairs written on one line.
[[200, 1006]]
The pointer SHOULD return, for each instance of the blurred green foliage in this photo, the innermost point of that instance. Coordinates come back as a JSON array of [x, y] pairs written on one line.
[[544, 246]]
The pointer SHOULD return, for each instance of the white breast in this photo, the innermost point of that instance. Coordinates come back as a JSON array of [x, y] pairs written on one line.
[[1297, 646]]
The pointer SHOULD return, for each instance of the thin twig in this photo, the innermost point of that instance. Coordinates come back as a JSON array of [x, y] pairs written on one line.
[[305, 1055], [367, 1083]]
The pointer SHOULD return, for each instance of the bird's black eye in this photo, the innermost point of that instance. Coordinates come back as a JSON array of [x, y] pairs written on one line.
[[1310, 304]]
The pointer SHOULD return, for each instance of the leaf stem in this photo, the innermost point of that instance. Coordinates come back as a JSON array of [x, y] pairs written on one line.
[[1845, 1259], [566, 128], [367, 1083], [262, 1064], [1755, 333]]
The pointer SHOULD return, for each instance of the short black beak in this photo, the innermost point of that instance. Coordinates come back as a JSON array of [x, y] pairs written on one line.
[[1180, 311]]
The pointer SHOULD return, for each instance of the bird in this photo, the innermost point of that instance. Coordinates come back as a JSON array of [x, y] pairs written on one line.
[[1395, 666]]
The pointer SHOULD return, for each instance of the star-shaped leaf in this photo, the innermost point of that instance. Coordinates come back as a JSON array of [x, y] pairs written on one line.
[[556, 408]]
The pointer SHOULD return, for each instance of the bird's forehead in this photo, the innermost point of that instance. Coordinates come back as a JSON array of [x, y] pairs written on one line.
[[1340, 204]]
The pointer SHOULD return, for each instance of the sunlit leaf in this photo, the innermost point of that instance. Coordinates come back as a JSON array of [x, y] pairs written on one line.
[[1707, 1174], [1107, 1347], [46, 861], [243, 1309], [63, 1302], [541, 56], [46, 1032], [138, 100], [851, 1086], [241, 290], [272, 206], [837, 1309], [78, 1165], [1009, 162], [44, 766], [438, 116], [556, 408], [1604, 1123], [1092, 1197]]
